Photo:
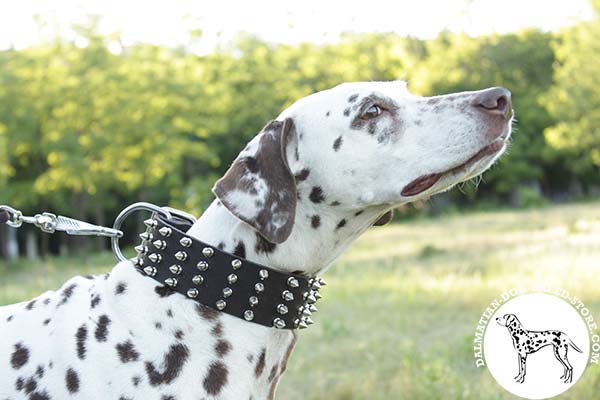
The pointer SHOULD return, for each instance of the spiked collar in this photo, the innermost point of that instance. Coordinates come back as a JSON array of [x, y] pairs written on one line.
[[223, 281]]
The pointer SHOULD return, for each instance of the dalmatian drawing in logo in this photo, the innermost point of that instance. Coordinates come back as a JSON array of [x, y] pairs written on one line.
[[528, 342]]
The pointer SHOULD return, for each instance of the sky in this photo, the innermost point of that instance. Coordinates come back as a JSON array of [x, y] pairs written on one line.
[[318, 21]]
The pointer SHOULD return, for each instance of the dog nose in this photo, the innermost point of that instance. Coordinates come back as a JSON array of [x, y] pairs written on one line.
[[495, 101]]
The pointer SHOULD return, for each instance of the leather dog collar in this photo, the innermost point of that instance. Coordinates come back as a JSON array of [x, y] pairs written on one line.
[[223, 281]]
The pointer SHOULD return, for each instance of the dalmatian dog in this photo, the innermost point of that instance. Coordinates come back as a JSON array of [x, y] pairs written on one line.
[[312, 181], [528, 342]]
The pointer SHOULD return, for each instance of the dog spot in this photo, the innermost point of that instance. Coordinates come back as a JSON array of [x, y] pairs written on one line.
[[337, 143], [72, 381], [39, 372], [167, 397], [127, 352], [273, 372], [206, 312], [46, 321], [80, 338], [263, 246], [30, 305], [356, 214], [315, 221], [102, 328], [347, 112], [95, 301], [418, 122], [316, 195], [250, 357], [163, 291], [222, 348], [260, 364], [371, 129], [30, 385], [121, 288], [47, 301], [66, 294], [179, 334], [302, 175], [170, 313], [9, 318], [353, 98], [341, 224], [173, 362], [39, 396], [240, 250], [136, 380], [158, 325], [216, 378], [327, 113], [217, 330], [124, 398], [221, 246], [19, 383], [20, 356]]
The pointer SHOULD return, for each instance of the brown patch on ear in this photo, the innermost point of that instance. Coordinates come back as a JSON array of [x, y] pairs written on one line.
[[385, 218], [259, 188]]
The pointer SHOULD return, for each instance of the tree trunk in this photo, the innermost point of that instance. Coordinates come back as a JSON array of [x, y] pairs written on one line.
[[12, 245], [31, 245]]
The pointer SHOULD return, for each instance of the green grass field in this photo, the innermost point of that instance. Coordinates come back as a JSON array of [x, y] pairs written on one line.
[[398, 316]]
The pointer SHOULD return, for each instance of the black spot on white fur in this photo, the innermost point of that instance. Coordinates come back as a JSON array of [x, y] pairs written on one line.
[[172, 364], [80, 339], [302, 175], [263, 246], [127, 352], [216, 378], [337, 143], [315, 221], [316, 195], [163, 291], [20, 356], [121, 288], [95, 300], [341, 224], [240, 250], [66, 294], [260, 364], [101, 333], [353, 98], [347, 112], [72, 380]]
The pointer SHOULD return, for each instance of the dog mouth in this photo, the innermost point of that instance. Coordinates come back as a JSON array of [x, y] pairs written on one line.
[[425, 182]]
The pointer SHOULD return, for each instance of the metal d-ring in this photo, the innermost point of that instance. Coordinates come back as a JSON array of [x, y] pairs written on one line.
[[127, 211]]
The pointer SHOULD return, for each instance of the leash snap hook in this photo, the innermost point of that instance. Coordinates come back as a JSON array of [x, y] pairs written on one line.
[[12, 217]]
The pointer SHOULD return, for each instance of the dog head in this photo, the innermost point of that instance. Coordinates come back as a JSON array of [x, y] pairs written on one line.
[[364, 145], [508, 320]]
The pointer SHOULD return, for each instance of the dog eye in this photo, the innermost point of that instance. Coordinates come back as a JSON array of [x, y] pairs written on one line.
[[372, 112]]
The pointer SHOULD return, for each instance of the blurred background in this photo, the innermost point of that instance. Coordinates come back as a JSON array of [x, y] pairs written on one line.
[[106, 103]]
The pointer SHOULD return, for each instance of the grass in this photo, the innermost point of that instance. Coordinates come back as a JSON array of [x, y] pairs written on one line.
[[398, 316]]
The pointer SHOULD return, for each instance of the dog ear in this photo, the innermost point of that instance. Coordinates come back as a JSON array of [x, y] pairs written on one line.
[[385, 218], [259, 187]]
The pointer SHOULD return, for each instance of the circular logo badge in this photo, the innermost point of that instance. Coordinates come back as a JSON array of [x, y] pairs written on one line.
[[536, 346]]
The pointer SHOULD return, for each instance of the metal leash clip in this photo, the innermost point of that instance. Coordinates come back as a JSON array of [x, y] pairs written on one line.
[[50, 223]]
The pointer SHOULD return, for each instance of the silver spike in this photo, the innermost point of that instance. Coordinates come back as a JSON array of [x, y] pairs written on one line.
[[316, 285], [322, 281], [193, 292], [208, 252], [279, 323], [175, 269], [306, 312], [236, 264], [282, 309], [307, 320], [181, 255], [151, 223], [232, 278], [138, 262], [141, 249], [300, 324], [293, 282], [146, 236], [160, 244], [227, 292], [202, 265], [155, 258], [171, 282], [311, 299], [317, 295], [313, 308], [221, 304], [165, 231], [185, 241], [197, 279], [259, 287], [263, 274], [151, 271], [287, 295], [248, 315], [253, 300]]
